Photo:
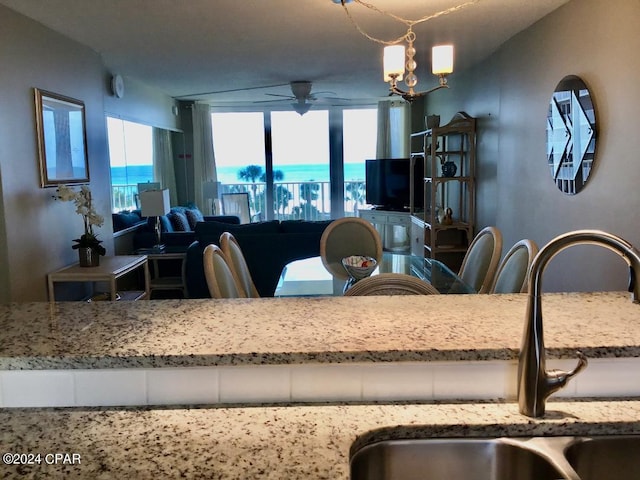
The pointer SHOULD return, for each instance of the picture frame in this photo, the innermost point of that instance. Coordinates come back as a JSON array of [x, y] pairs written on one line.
[[62, 139], [237, 204]]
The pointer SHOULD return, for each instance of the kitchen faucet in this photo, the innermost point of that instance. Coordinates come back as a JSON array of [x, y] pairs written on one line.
[[535, 383]]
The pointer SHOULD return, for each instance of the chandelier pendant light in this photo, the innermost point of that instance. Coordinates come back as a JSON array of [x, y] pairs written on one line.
[[397, 57]]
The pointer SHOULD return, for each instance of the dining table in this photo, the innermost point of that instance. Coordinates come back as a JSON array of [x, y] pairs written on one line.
[[309, 277]]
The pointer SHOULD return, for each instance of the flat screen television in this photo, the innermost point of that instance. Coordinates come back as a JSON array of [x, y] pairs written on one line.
[[388, 180]]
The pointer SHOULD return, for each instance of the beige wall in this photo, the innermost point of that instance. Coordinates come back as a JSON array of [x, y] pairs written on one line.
[[510, 92], [36, 232], [39, 230]]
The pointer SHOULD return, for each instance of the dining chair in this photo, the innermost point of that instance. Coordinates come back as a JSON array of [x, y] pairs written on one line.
[[237, 204], [511, 276], [479, 264], [221, 281], [391, 284], [345, 237], [238, 264]]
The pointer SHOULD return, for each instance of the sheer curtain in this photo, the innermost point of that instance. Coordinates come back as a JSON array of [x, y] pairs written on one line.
[[163, 170], [394, 120], [393, 129], [204, 161]]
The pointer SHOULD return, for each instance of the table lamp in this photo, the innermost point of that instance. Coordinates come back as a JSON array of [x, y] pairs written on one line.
[[155, 203]]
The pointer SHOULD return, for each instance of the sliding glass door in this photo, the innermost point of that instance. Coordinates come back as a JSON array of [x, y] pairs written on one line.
[[300, 147], [239, 148], [292, 165]]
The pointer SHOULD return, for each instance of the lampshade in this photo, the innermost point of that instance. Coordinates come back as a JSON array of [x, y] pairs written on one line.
[[155, 203], [442, 59], [148, 186], [393, 61]]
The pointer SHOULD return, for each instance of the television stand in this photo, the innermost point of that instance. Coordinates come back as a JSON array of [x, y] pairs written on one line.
[[393, 226]]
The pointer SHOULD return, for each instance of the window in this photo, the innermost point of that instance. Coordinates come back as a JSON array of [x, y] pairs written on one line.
[[296, 156], [131, 161], [238, 145], [301, 164]]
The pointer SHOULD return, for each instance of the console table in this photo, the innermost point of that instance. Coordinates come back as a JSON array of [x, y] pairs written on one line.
[[385, 222], [109, 270]]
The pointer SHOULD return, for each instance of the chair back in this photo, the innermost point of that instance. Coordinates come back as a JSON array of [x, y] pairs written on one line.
[[345, 237], [238, 264], [481, 260], [237, 204], [391, 284], [220, 279], [511, 276]]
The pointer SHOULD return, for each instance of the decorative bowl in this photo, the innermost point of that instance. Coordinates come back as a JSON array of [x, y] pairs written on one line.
[[359, 266]]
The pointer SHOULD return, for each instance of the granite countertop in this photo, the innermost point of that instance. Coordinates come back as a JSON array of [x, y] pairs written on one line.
[[293, 442], [175, 333]]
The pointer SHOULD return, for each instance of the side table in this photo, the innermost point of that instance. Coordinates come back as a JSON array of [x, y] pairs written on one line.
[[109, 270], [158, 282]]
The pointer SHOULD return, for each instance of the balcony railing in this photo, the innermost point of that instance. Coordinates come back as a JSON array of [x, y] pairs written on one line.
[[292, 200]]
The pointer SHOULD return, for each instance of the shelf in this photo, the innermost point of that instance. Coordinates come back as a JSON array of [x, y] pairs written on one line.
[[447, 179], [448, 248], [453, 226], [132, 295], [457, 142]]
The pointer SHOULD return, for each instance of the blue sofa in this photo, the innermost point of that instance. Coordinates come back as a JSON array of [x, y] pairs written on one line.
[[267, 248], [177, 227]]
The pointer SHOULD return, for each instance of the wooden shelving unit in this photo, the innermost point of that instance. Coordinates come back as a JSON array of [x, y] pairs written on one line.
[[455, 142]]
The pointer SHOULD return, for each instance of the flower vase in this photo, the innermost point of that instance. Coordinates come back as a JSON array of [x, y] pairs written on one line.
[[449, 169], [88, 257]]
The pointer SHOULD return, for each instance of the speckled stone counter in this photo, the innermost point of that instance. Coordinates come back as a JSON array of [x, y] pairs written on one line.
[[293, 443], [184, 333]]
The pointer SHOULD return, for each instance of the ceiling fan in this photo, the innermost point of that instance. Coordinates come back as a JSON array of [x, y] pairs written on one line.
[[302, 96]]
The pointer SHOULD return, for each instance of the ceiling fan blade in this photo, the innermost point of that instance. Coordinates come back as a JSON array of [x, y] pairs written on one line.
[[241, 89], [288, 99], [325, 93], [279, 95]]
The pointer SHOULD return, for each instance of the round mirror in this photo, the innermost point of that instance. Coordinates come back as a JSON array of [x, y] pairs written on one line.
[[571, 135]]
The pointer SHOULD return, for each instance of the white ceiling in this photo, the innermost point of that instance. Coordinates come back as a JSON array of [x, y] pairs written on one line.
[[193, 46]]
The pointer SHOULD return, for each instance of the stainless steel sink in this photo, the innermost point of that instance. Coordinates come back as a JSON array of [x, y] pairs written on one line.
[[450, 459], [509, 458], [604, 458]]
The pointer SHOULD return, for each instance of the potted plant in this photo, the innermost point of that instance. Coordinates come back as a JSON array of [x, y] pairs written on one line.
[[88, 246]]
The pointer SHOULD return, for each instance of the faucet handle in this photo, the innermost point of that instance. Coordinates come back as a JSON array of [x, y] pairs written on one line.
[[582, 364], [556, 379]]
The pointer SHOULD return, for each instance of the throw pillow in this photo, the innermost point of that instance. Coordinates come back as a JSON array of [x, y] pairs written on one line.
[[165, 224], [179, 221], [194, 215]]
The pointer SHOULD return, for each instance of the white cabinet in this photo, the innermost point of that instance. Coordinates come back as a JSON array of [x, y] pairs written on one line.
[[394, 228]]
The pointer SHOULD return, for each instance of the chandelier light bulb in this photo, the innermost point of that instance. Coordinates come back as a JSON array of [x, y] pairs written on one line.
[[442, 59], [393, 61]]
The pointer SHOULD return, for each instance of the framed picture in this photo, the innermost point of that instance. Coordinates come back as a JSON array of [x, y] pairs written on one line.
[[237, 204], [62, 139]]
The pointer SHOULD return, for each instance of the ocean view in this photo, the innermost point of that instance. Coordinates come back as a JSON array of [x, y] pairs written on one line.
[[292, 173]]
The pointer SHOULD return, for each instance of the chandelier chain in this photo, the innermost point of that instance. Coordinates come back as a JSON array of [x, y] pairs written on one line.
[[409, 23]]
